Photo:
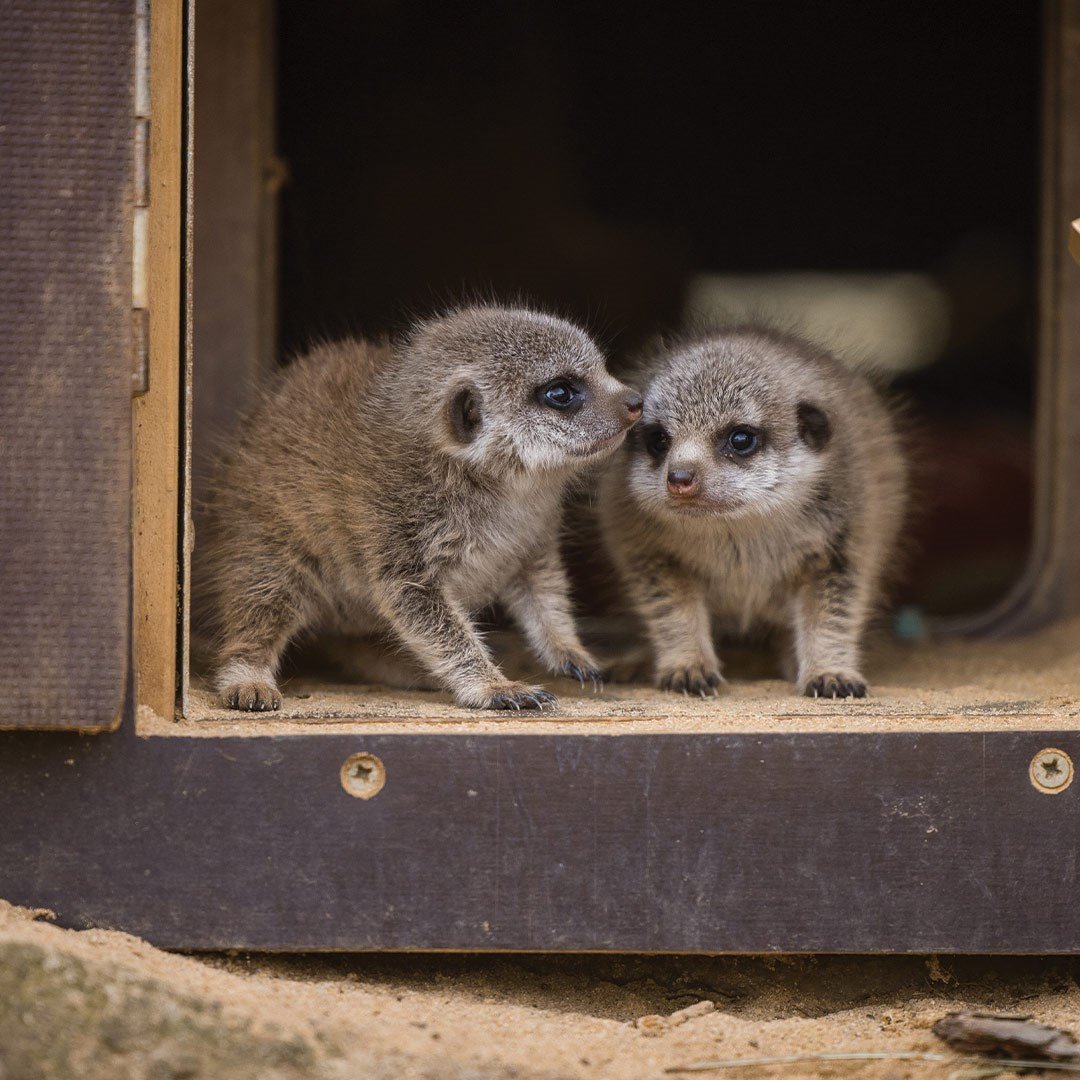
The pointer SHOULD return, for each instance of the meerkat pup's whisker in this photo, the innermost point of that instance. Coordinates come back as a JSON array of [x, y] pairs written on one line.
[[384, 492], [764, 485]]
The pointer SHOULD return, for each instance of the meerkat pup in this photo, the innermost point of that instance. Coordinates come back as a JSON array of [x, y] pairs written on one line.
[[389, 491], [764, 487]]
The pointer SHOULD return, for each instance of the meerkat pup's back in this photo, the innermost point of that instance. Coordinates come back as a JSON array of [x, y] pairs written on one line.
[[387, 492], [764, 486]]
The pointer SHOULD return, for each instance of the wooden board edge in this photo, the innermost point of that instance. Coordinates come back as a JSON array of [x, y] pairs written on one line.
[[156, 414], [740, 844]]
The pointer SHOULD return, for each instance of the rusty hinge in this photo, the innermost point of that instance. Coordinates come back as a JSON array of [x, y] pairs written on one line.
[[140, 315]]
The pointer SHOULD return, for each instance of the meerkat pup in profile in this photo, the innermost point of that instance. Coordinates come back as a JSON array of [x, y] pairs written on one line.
[[390, 491], [764, 487]]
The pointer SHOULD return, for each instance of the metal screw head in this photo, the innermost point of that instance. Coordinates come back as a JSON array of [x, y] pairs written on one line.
[[1051, 771], [363, 775]]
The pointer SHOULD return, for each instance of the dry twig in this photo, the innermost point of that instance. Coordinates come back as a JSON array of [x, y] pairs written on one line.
[[1002, 1064]]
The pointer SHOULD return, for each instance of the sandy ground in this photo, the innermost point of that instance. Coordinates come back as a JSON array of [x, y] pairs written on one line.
[[526, 1015], [1031, 682], [531, 1016]]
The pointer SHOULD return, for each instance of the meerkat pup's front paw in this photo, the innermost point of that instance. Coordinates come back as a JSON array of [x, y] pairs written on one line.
[[696, 677], [582, 668], [835, 684], [515, 696]]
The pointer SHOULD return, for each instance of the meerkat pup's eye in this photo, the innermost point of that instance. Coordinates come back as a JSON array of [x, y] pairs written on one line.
[[743, 441], [560, 394], [657, 441]]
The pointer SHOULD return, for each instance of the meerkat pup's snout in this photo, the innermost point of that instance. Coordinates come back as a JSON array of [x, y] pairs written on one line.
[[387, 492], [765, 485]]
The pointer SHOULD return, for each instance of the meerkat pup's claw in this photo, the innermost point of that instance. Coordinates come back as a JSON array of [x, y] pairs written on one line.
[[253, 697], [835, 685], [692, 680], [583, 671], [385, 491], [765, 486], [518, 697]]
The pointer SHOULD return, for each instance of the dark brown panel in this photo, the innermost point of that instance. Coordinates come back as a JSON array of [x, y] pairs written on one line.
[[235, 243], [66, 134], [933, 842], [1050, 586]]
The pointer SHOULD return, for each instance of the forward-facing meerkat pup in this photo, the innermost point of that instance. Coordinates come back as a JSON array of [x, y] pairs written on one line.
[[764, 486], [388, 491]]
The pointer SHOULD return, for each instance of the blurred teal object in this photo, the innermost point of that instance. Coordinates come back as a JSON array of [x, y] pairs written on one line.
[[909, 623]]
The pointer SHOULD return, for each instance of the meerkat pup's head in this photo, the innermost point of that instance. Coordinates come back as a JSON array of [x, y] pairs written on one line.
[[736, 424], [517, 388]]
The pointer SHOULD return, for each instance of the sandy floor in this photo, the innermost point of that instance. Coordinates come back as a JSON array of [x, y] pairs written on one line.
[[1032, 682], [575, 1016]]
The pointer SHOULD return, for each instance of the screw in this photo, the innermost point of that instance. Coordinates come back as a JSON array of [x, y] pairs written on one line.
[[363, 775], [1051, 771]]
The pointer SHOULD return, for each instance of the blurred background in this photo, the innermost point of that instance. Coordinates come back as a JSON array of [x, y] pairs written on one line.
[[866, 172]]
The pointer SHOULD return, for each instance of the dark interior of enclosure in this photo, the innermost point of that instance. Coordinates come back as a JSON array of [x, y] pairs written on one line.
[[596, 160]]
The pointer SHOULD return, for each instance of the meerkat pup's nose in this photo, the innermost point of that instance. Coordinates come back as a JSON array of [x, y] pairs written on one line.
[[635, 403], [682, 482]]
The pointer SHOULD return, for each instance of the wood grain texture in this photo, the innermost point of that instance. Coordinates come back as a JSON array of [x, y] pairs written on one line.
[[909, 842], [66, 178], [157, 474]]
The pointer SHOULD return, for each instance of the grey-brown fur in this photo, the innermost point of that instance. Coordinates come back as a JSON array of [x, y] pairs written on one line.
[[389, 491], [796, 534]]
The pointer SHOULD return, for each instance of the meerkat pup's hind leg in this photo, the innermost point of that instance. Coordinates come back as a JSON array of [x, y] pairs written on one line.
[[261, 621], [249, 685], [247, 673]]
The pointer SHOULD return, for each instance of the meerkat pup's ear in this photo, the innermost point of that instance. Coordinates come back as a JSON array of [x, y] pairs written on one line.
[[814, 427], [464, 414]]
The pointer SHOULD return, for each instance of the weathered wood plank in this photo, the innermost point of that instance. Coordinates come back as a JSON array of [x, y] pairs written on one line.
[[66, 178], [740, 843]]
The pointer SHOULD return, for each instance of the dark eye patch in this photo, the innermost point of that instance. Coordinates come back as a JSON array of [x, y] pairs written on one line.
[[656, 440]]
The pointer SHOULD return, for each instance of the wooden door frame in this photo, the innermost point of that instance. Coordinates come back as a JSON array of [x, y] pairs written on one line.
[[933, 841], [160, 414], [1049, 587]]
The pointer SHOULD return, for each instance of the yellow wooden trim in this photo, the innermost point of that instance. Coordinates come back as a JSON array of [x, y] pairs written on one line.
[[157, 412]]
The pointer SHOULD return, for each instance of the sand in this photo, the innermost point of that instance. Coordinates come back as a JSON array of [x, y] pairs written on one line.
[[1026, 683], [531, 1016], [574, 1016]]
